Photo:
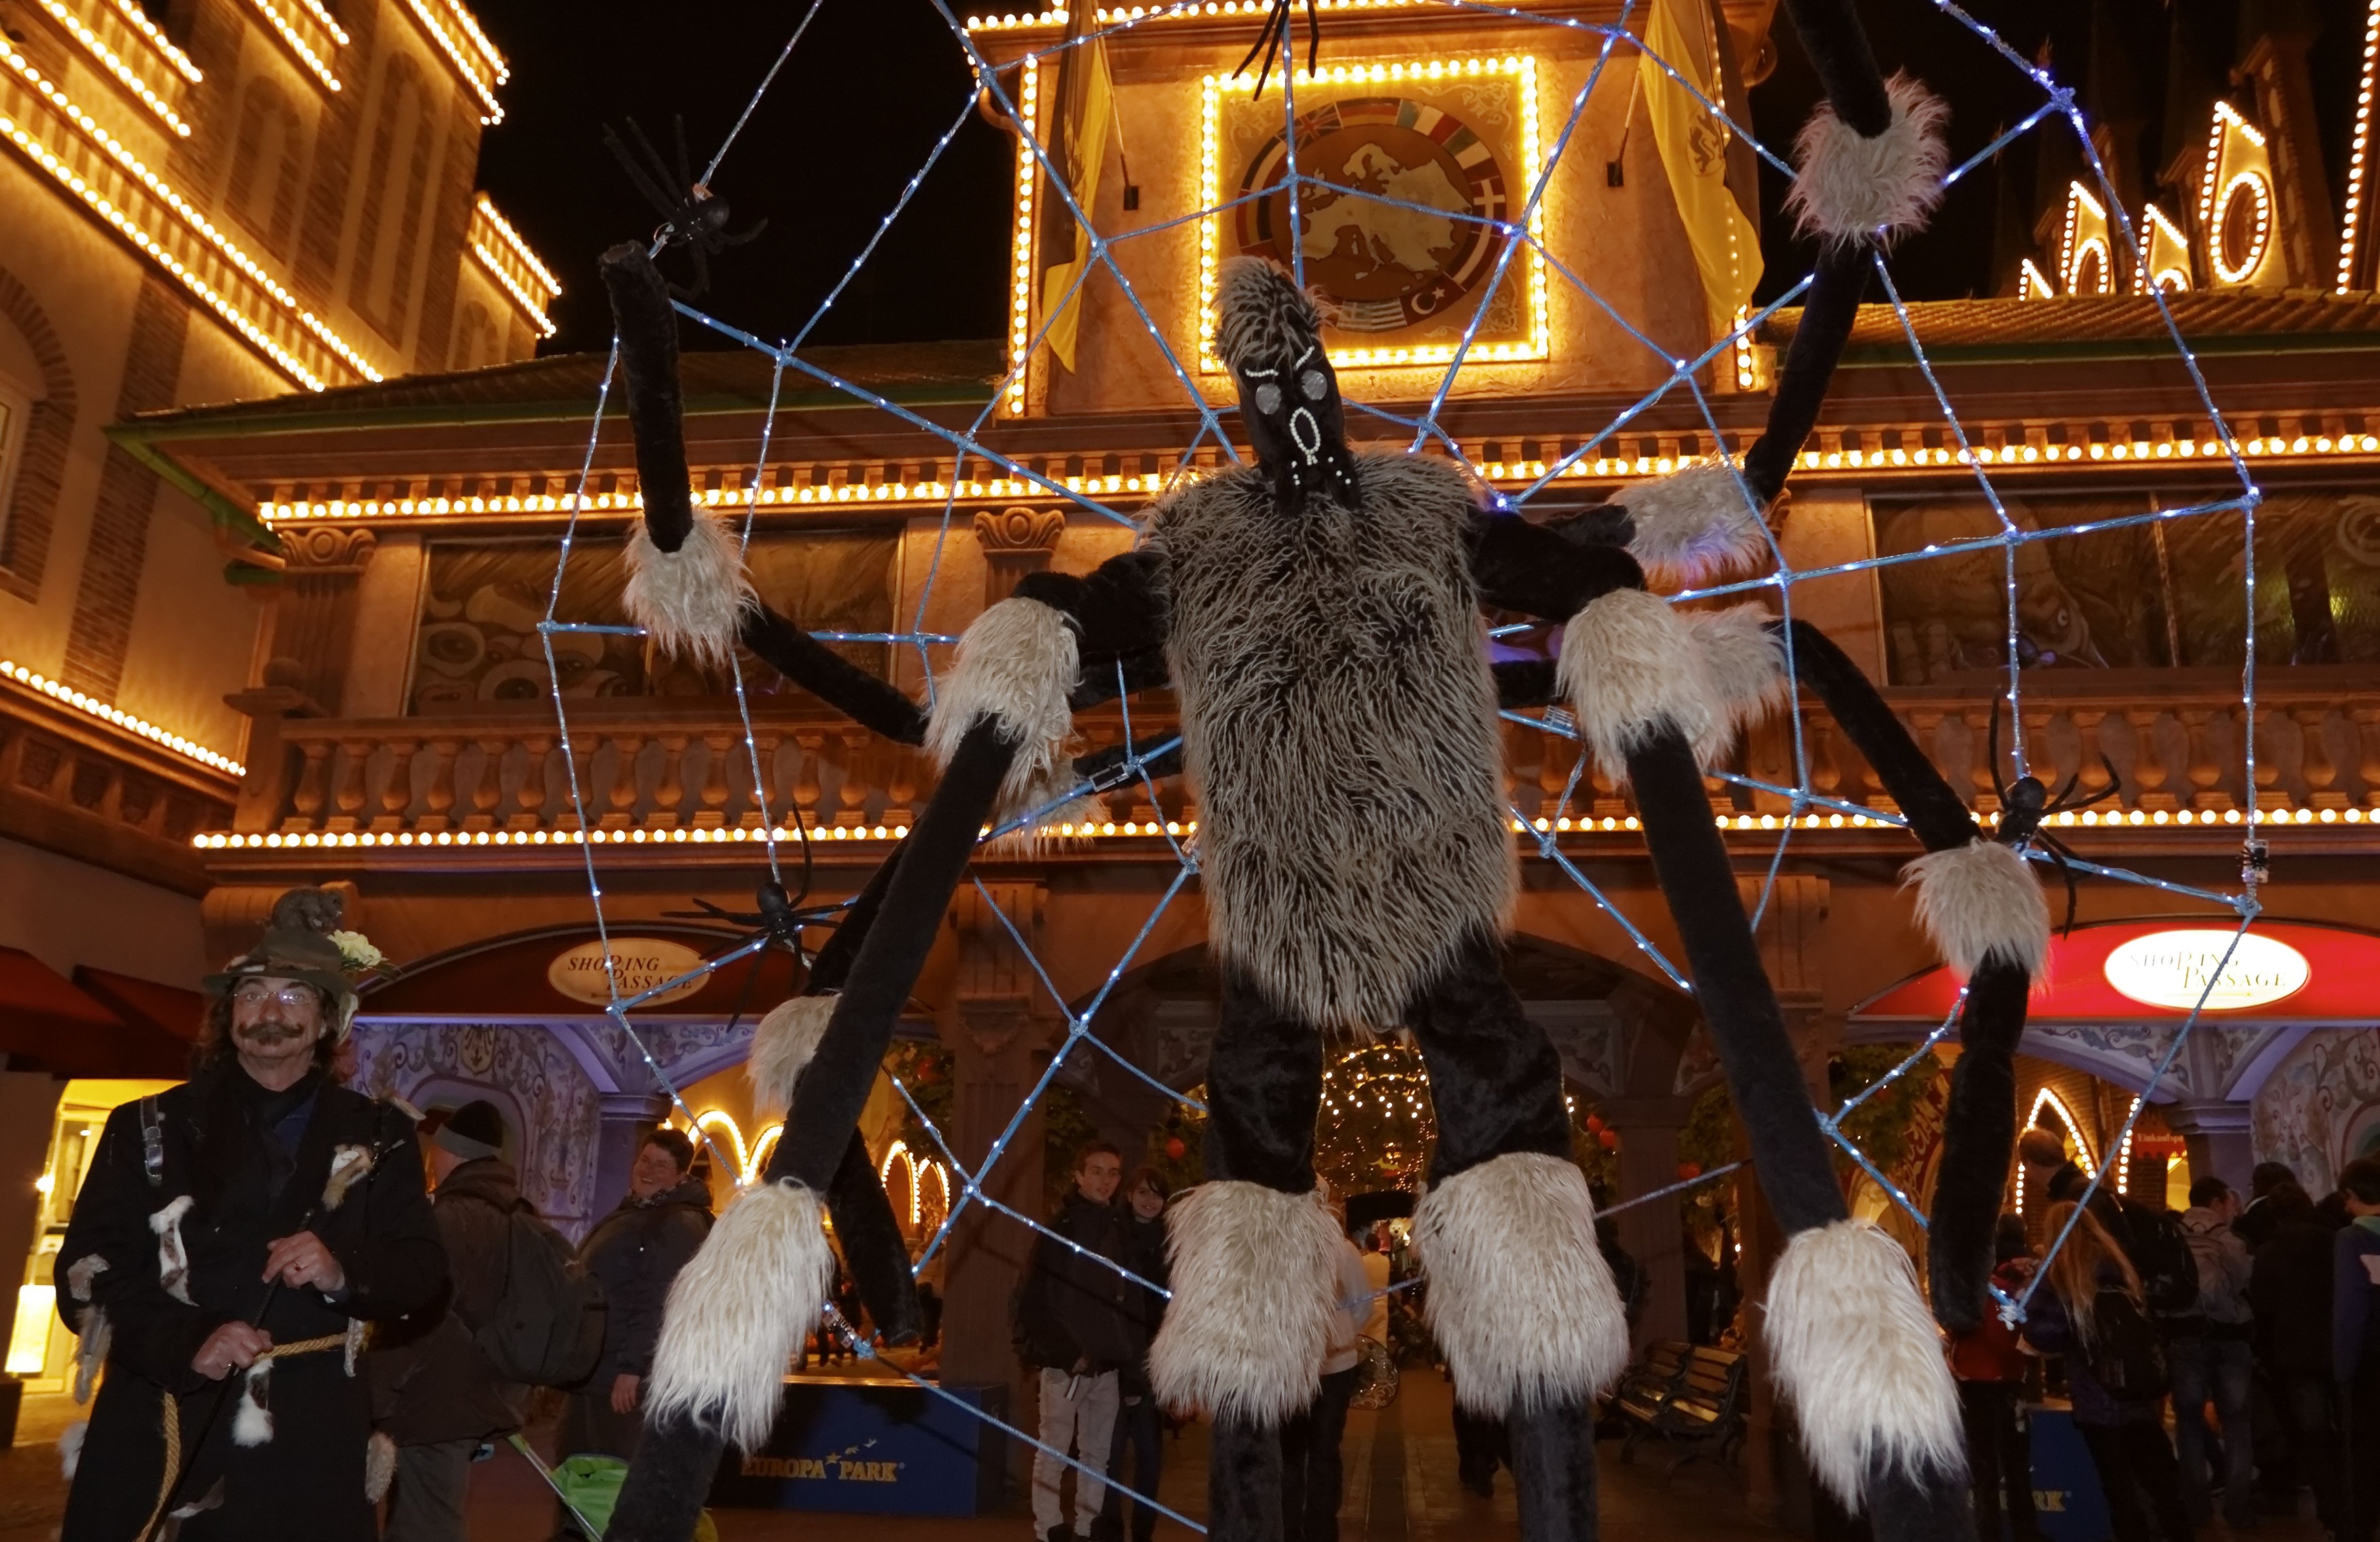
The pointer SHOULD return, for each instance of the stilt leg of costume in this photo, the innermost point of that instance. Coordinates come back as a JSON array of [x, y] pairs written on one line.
[[719, 1362], [1553, 1469], [1254, 1266], [1848, 1336]]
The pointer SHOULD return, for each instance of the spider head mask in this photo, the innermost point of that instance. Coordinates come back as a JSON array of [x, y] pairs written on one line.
[[1269, 332]]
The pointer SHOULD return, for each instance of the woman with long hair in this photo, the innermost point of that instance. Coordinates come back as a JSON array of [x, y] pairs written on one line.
[[2091, 1313]]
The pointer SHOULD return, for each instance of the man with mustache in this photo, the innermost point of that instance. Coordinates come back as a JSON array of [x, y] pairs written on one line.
[[233, 1237]]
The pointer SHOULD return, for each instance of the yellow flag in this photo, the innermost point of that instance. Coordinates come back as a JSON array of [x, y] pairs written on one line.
[[1079, 145], [1693, 144]]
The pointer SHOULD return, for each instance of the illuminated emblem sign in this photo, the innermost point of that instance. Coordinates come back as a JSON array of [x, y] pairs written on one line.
[[637, 965], [1413, 166], [2174, 968]]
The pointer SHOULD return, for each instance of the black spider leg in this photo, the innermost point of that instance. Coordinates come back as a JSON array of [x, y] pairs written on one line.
[[642, 176], [1313, 36], [1276, 32]]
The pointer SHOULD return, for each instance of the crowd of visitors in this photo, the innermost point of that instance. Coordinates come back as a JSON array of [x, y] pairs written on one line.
[[2257, 1323]]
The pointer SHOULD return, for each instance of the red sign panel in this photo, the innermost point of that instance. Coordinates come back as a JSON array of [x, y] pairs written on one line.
[[2115, 971]]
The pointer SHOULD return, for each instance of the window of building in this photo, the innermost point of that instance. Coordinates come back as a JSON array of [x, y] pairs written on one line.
[[477, 646]]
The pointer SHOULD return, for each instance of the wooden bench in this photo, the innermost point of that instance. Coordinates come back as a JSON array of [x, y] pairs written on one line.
[[1686, 1396]]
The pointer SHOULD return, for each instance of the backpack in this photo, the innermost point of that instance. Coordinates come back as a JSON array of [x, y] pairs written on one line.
[[2126, 1358], [2159, 1249], [548, 1328]]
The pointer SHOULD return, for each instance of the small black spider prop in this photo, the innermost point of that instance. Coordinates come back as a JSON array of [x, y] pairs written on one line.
[[1274, 43], [694, 219], [2026, 804]]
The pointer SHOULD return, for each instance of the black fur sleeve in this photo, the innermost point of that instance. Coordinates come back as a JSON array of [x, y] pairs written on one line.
[[1118, 606], [646, 329], [810, 663], [1521, 567], [1937, 815], [1525, 683]]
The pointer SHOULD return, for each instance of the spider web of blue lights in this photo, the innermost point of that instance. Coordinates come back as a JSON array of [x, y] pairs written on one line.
[[1516, 234]]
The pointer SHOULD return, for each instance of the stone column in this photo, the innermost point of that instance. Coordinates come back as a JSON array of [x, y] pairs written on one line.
[[2220, 1138], [626, 1119], [315, 617], [1015, 541], [997, 1028], [1648, 1160]]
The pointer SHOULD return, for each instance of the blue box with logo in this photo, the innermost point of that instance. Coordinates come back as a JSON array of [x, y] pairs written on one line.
[[873, 1447]]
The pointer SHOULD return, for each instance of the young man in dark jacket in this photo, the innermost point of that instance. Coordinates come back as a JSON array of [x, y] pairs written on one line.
[[2289, 1291], [439, 1396], [2355, 1340], [635, 1251], [233, 1236], [1076, 1322], [2210, 1356]]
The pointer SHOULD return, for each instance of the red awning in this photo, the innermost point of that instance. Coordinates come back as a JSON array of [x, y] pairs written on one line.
[[46, 1024], [160, 1022]]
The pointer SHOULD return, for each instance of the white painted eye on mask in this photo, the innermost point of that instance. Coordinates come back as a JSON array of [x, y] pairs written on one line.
[[1314, 385], [1269, 399]]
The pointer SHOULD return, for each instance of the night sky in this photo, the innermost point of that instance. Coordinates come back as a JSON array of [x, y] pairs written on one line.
[[875, 82]]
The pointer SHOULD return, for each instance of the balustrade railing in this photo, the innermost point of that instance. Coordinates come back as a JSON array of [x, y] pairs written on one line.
[[2173, 743]]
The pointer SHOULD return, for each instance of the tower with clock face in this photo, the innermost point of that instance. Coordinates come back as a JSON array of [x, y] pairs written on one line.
[[1423, 138]]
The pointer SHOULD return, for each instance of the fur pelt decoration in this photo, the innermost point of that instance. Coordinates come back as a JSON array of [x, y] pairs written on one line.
[[739, 1311], [98, 1336], [1350, 638], [252, 1420], [1853, 190], [173, 1258], [349, 1166], [1519, 1296], [1017, 663], [1629, 665], [691, 601], [1695, 523], [70, 1441], [1853, 1349], [781, 1046], [1256, 1277], [380, 1466], [1745, 657], [1980, 901]]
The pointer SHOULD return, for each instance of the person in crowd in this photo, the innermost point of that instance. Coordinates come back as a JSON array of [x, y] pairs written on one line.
[[1992, 1369], [235, 1232], [2211, 1355], [635, 1251], [1075, 1323], [1140, 1424], [2051, 1176], [1377, 1272], [1312, 1482], [2093, 1314], [2355, 1340], [2255, 1223], [2289, 1294], [437, 1395]]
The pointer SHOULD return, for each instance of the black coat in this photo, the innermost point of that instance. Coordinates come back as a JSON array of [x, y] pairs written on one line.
[[637, 1251], [1144, 1254], [2289, 1289], [1072, 1308], [431, 1380], [253, 1166]]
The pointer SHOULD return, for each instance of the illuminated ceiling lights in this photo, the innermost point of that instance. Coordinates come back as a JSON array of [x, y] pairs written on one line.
[[161, 245], [1186, 11], [481, 67], [2358, 184], [306, 52], [1520, 70], [125, 76], [93, 707], [1020, 278]]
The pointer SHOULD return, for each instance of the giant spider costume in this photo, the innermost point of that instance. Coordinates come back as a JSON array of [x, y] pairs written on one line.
[[1320, 615]]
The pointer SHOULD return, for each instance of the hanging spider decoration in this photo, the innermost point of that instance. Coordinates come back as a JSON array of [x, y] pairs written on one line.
[[2025, 804], [1318, 616], [1274, 43], [696, 220]]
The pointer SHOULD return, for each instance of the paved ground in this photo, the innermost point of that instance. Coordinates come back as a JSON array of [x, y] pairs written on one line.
[[1401, 1487]]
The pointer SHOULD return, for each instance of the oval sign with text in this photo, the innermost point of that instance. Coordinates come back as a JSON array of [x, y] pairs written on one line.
[[639, 964], [2174, 968]]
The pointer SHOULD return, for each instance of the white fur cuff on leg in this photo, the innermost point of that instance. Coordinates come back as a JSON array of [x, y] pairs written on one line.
[[782, 1048], [1018, 662], [1854, 1350], [690, 601], [737, 1311], [1852, 189], [1520, 1297], [1745, 660], [1255, 1278], [1980, 899], [1693, 524], [1628, 665]]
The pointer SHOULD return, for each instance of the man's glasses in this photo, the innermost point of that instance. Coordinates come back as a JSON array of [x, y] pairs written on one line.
[[256, 993]]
